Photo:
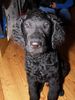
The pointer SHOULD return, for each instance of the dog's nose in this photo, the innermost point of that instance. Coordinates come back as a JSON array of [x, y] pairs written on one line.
[[35, 45]]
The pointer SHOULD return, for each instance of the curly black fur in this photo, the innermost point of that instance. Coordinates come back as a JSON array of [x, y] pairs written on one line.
[[40, 34]]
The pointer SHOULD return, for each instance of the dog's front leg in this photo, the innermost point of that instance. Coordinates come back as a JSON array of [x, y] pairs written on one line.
[[54, 89], [33, 89]]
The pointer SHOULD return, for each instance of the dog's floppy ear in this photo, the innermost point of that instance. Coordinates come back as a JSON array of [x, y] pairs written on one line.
[[58, 34], [17, 35]]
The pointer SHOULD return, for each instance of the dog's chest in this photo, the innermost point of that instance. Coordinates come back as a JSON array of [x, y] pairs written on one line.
[[42, 67]]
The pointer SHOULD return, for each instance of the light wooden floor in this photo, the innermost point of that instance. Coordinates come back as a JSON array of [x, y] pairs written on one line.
[[13, 82]]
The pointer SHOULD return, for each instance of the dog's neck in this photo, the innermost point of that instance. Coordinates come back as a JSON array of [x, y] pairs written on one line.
[[40, 55]]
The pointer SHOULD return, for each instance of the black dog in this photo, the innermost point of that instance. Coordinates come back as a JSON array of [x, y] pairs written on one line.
[[42, 34]]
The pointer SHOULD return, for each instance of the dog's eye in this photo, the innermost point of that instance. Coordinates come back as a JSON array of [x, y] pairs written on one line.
[[27, 24], [46, 25]]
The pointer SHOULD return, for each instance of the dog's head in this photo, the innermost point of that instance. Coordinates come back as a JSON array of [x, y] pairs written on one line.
[[42, 32]]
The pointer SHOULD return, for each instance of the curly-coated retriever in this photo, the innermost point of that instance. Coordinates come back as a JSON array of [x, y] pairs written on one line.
[[42, 33]]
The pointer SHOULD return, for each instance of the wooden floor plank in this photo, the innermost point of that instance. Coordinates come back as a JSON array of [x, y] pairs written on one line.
[[12, 75], [1, 92]]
